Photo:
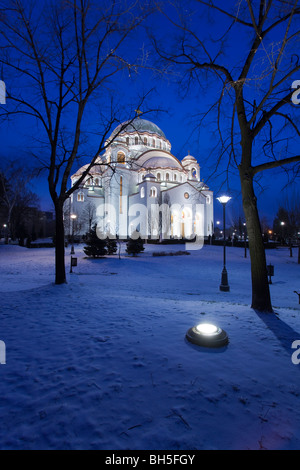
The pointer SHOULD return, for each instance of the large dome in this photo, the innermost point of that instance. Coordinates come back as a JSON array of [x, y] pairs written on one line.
[[140, 125]]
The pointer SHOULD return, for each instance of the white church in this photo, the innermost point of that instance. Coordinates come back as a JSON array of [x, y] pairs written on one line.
[[137, 185]]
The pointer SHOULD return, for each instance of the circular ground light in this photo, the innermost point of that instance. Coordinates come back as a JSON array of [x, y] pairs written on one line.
[[208, 335]]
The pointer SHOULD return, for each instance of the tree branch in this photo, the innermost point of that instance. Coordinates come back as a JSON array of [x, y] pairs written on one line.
[[275, 164]]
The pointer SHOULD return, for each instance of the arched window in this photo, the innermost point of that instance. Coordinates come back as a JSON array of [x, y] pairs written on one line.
[[153, 142], [158, 176], [136, 140], [194, 173], [145, 141], [175, 177], [153, 192], [160, 144], [127, 140], [121, 157], [167, 177], [80, 197], [97, 182], [142, 192]]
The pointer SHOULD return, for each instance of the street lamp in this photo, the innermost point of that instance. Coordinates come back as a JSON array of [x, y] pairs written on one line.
[[224, 286], [73, 217], [245, 239], [5, 233], [282, 230]]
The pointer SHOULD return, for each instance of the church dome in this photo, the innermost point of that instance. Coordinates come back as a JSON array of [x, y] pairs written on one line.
[[140, 125], [161, 162], [149, 176], [189, 158]]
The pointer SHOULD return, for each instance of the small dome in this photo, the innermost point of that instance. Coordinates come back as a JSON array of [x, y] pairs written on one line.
[[162, 162], [149, 176], [189, 157]]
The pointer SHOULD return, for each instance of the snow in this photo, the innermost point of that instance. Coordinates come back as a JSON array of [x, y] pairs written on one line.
[[102, 362]]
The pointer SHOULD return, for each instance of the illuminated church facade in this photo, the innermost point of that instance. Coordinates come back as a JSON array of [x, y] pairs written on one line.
[[139, 185]]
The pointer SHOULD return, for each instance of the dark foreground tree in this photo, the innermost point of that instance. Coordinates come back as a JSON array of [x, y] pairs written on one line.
[[58, 60], [135, 245], [250, 58], [95, 246], [111, 245]]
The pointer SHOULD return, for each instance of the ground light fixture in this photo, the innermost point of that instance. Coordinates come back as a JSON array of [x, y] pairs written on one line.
[[208, 335]]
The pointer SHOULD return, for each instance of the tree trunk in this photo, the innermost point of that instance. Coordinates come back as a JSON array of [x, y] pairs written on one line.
[[261, 299], [60, 270]]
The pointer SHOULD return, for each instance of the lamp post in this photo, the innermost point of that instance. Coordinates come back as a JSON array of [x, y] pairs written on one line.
[[73, 217], [245, 239], [224, 286], [5, 233], [282, 238]]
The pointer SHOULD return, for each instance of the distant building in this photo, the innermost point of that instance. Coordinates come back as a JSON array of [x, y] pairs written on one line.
[[139, 170]]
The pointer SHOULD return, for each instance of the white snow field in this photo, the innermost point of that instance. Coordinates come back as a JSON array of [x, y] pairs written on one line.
[[102, 362]]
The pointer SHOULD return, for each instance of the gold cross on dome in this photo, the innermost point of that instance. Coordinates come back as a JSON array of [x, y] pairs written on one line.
[[138, 112]]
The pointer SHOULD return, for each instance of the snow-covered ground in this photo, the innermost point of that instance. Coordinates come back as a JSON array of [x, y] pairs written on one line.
[[102, 362]]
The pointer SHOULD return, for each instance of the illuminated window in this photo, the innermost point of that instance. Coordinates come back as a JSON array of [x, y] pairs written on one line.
[[121, 157], [142, 192], [153, 192]]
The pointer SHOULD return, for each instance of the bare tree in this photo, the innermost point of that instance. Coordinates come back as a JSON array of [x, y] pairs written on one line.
[[64, 56], [89, 214], [14, 193], [252, 83]]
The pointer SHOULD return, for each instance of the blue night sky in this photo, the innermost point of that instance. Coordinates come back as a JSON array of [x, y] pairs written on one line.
[[177, 119]]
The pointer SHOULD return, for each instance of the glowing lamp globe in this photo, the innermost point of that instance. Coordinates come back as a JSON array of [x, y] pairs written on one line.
[[208, 335], [223, 199]]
